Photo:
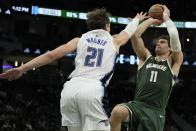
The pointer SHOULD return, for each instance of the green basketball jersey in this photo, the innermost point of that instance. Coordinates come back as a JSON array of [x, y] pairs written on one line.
[[154, 83]]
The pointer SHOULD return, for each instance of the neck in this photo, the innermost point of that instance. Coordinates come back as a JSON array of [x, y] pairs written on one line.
[[162, 56]]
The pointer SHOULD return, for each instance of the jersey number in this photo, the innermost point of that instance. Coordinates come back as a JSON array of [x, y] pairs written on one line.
[[94, 58], [153, 77]]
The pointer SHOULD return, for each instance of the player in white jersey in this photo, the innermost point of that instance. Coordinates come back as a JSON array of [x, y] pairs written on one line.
[[82, 98]]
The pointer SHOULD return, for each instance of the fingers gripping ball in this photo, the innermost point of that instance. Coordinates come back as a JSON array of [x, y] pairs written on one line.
[[156, 11]]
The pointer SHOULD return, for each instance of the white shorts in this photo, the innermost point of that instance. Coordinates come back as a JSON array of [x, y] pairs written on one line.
[[81, 105]]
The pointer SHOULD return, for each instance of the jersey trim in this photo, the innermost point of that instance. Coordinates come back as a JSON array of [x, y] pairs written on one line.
[[130, 117], [117, 50], [79, 42], [170, 67], [105, 78], [108, 76], [174, 76], [139, 67]]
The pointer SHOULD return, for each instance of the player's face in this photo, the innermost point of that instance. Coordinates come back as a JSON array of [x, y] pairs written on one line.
[[162, 46]]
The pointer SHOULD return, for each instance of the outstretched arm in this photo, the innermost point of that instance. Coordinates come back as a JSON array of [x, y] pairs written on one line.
[[51, 56], [122, 38], [137, 42], [176, 55], [41, 60]]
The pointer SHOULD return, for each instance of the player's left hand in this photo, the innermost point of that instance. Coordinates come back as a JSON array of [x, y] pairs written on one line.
[[11, 74], [141, 16]]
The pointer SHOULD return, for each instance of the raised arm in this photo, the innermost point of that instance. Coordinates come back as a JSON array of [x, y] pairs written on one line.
[[122, 38], [175, 45], [41, 60], [137, 42]]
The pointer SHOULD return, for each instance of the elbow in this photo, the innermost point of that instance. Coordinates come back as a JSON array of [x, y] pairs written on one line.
[[137, 35], [50, 56]]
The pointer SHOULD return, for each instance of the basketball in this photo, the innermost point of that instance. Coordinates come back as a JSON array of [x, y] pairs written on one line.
[[156, 11]]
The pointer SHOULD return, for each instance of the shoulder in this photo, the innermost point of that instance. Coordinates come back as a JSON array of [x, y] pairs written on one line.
[[175, 61], [73, 42], [76, 39], [142, 62], [176, 58]]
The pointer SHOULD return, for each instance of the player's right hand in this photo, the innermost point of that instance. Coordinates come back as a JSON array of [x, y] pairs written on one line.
[[11, 74]]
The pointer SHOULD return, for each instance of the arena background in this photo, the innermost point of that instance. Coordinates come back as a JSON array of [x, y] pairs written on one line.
[[29, 28]]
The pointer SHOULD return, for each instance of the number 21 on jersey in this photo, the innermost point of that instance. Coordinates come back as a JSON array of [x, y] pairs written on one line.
[[94, 57]]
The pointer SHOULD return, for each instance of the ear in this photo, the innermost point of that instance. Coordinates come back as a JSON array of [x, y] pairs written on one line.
[[107, 27]]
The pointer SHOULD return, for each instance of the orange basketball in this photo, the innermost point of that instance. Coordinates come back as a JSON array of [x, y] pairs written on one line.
[[156, 11]]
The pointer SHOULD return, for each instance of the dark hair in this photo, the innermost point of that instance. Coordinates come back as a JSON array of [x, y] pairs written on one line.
[[97, 19], [166, 37]]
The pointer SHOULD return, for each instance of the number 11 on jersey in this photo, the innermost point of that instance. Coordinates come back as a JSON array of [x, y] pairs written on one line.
[[153, 76]]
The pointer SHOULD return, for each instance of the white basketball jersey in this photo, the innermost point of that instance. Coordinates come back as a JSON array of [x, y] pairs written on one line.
[[95, 57]]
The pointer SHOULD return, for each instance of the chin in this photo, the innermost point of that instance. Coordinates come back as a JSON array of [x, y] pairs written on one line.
[[158, 52]]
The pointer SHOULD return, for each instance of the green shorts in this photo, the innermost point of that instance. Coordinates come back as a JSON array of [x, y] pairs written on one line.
[[144, 118]]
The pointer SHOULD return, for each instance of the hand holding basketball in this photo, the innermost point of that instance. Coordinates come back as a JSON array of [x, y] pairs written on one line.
[[166, 13]]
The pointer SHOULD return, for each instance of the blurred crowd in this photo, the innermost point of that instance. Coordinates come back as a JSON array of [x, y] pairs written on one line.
[[29, 107]]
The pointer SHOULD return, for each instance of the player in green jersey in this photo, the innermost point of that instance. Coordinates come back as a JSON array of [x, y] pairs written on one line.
[[155, 78]]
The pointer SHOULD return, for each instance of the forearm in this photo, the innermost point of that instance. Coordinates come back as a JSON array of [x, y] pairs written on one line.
[[37, 62], [139, 47], [144, 26], [137, 42], [132, 27], [174, 36], [51, 56]]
